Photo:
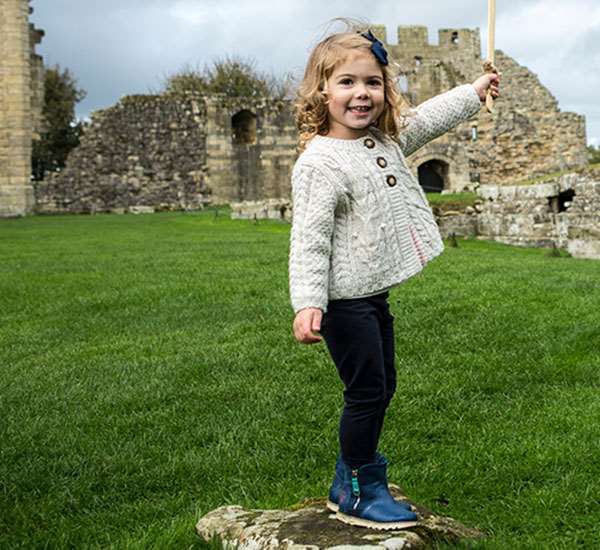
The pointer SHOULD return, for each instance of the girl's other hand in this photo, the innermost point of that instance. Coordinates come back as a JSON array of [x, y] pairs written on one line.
[[485, 81], [306, 323]]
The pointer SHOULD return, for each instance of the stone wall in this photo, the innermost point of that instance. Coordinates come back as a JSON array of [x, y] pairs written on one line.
[[20, 105], [250, 148], [144, 151], [175, 152], [269, 209], [564, 212]]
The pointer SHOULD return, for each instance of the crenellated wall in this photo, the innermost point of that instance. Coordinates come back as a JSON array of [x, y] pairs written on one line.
[[526, 136]]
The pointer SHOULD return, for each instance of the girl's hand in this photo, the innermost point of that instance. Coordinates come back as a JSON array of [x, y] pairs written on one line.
[[306, 323], [485, 81]]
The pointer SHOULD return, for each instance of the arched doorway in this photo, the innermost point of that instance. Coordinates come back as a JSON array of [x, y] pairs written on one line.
[[433, 175], [246, 155]]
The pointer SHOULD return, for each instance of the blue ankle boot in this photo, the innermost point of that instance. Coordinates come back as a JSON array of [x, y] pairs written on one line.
[[338, 482], [365, 500]]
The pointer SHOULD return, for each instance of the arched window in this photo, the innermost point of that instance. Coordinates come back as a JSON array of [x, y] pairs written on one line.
[[454, 38], [433, 175], [243, 125]]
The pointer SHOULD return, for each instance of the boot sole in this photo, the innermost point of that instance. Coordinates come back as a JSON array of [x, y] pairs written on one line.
[[381, 526], [334, 507]]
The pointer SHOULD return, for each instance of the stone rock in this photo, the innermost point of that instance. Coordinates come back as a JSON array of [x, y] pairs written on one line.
[[310, 525], [271, 209], [141, 209], [579, 248]]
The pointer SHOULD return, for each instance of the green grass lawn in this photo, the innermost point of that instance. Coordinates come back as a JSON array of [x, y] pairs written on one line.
[[149, 375]]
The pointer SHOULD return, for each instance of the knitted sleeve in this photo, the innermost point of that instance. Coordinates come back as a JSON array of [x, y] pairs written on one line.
[[314, 199], [437, 115]]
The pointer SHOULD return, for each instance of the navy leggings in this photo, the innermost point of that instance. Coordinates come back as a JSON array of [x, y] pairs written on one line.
[[359, 334]]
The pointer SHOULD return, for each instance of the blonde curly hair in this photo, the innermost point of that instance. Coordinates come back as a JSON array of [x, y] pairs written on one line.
[[310, 106]]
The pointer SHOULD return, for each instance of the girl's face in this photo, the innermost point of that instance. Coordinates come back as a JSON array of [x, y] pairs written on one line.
[[355, 95]]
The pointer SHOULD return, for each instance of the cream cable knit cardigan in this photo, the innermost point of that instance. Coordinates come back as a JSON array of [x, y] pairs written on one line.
[[361, 222]]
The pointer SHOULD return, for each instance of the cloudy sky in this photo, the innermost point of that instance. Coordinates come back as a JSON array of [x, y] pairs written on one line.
[[121, 47]]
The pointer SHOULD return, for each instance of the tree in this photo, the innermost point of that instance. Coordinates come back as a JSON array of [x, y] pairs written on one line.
[[593, 154], [231, 76], [61, 131]]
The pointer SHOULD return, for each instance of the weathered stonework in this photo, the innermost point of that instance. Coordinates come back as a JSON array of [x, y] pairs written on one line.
[[526, 136], [271, 209], [21, 96], [175, 152], [145, 151], [310, 526], [563, 212], [459, 224], [250, 148]]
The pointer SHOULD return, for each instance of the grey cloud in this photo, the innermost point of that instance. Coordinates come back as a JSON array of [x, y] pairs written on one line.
[[123, 47]]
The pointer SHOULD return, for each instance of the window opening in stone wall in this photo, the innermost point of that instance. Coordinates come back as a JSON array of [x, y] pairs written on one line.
[[418, 61], [473, 133], [243, 125], [402, 82], [454, 37], [433, 175], [562, 202]]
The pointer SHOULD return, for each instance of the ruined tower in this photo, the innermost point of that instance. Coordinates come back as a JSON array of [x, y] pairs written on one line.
[[21, 96], [526, 136]]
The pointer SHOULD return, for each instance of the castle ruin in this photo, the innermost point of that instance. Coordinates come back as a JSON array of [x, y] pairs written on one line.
[[526, 136], [21, 99], [172, 152], [184, 151], [175, 152]]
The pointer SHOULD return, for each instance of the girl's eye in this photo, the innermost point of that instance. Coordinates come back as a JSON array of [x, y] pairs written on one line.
[[348, 81]]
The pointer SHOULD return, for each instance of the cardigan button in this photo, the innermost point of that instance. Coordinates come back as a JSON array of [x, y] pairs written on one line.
[[391, 180], [369, 143], [382, 162]]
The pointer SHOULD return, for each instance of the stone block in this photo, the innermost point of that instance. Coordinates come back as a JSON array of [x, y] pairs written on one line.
[[488, 192], [310, 525], [580, 248], [140, 209]]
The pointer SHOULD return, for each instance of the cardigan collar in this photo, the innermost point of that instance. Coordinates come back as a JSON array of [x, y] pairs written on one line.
[[346, 144]]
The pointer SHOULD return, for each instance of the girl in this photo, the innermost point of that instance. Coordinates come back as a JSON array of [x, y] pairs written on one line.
[[362, 225]]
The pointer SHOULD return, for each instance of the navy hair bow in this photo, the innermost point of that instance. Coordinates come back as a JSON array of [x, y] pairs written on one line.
[[376, 47]]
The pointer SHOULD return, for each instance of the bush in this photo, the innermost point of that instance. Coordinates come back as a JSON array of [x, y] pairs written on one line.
[[231, 76]]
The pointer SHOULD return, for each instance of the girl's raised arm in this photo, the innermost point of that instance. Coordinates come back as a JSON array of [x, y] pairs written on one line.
[[437, 115], [314, 199]]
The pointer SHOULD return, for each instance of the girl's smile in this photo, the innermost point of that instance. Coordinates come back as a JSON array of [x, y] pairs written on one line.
[[355, 93]]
